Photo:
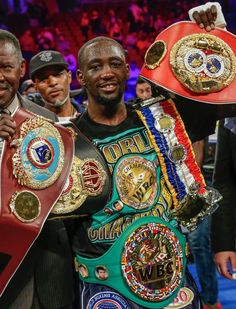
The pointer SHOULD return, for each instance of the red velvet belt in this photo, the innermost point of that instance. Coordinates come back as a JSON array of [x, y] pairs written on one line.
[[163, 75], [34, 169]]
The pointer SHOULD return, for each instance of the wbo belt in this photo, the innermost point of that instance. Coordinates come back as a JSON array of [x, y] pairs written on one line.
[[34, 168], [146, 264]]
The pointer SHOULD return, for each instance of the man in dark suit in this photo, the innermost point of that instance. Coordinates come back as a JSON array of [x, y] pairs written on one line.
[[224, 219], [45, 277]]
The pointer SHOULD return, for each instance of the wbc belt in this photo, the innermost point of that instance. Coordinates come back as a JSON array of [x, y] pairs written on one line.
[[34, 169], [146, 264]]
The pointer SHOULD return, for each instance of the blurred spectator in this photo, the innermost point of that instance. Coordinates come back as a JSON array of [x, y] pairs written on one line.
[[95, 22], [37, 12], [62, 43], [84, 25], [28, 45], [116, 33], [134, 72], [71, 60], [131, 40], [135, 16], [143, 89], [142, 43], [27, 87], [45, 39]]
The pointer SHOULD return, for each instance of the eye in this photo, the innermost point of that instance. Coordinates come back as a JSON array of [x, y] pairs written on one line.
[[95, 67], [116, 64], [60, 73], [43, 80], [7, 68]]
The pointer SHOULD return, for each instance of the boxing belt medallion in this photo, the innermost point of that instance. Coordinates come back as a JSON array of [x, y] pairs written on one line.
[[193, 63], [34, 169], [88, 185], [146, 264]]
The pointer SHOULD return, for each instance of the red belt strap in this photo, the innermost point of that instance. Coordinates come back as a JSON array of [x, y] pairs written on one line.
[[16, 236]]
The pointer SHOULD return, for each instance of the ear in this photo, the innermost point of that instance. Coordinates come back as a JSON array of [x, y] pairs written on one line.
[[22, 68], [69, 77], [80, 77], [128, 70]]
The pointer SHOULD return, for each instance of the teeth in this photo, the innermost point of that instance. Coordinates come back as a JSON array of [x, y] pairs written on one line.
[[109, 86]]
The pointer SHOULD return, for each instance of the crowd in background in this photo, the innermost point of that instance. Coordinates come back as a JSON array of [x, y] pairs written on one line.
[[66, 25]]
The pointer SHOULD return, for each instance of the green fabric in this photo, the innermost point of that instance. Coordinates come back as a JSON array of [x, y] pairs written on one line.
[[112, 261]]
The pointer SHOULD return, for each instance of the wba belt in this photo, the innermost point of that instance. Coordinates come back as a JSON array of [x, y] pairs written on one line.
[[146, 264], [34, 169]]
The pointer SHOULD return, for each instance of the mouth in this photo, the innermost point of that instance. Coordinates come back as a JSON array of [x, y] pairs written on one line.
[[109, 87], [2, 91], [55, 93]]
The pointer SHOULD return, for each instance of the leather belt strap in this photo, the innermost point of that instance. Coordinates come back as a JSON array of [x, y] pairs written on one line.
[[18, 235], [162, 75]]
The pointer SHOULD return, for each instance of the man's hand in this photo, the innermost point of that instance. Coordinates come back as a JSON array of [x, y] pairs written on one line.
[[7, 126], [222, 259], [206, 19]]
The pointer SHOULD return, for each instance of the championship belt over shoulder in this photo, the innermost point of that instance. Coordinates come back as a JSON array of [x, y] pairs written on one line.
[[88, 185], [34, 167], [193, 63], [192, 199]]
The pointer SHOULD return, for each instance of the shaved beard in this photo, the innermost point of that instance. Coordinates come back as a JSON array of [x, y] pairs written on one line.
[[58, 103]]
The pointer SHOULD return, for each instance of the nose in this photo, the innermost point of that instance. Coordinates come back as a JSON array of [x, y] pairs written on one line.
[[107, 72], [1, 76], [52, 80]]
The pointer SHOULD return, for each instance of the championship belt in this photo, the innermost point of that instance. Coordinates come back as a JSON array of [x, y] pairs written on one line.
[[146, 264], [192, 200], [34, 169], [88, 184], [193, 63]]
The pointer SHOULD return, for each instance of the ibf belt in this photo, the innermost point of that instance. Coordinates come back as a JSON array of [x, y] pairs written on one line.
[[34, 168], [146, 264], [193, 63]]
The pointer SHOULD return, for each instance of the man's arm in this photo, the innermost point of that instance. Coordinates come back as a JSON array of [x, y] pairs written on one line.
[[223, 220]]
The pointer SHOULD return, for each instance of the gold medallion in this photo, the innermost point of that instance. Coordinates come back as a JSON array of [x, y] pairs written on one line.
[[87, 178], [177, 154], [39, 157], [135, 181], [152, 262], [164, 124], [203, 63], [25, 205], [155, 53]]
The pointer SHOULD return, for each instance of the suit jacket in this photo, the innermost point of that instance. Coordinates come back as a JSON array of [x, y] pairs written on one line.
[[224, 179], [47, 268]]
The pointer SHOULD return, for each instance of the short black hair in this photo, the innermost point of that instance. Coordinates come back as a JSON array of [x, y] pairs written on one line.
[[8, 37], [95, 40], [141, 80]]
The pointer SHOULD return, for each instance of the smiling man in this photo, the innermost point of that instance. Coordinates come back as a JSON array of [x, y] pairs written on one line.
[[140, 184], [36, 282]]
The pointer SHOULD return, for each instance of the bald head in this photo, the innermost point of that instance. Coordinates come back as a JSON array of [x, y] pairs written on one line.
[[11, 43], [103, 41]]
